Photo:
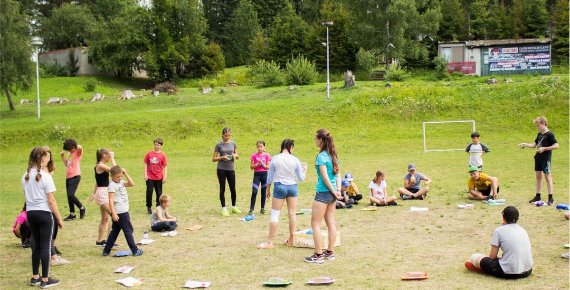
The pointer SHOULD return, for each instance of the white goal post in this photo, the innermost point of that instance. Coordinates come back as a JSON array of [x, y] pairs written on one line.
[[444, 122]]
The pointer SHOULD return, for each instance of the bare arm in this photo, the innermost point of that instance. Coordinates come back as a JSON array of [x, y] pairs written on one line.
[[427, 180], [130, 182], [527, 145], [164, 173], [53, 206], [216, 157], [327, 182], [17, 230], [549, 148], [79, 150], [236, 155], [494, 252], [114, 215]]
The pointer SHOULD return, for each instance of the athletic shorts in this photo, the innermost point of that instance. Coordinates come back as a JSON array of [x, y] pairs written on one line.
[[413, 190], [542, 164], [487, 191], [325, 197], [493, 268], [101, 196], [282, 191]]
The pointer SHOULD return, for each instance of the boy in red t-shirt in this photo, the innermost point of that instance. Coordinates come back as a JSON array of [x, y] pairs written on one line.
[[155, 173]]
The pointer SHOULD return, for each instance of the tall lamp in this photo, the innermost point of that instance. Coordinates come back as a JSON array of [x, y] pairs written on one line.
[[37, 42], [327, 24]]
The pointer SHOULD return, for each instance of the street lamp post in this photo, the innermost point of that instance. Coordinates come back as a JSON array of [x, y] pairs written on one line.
[[37, 42], [327, 24]]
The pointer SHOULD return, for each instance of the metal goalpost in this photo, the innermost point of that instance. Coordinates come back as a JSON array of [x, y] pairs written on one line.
[[444, 122]]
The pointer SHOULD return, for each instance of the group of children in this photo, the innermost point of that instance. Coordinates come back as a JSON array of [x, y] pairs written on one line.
[[113, 193]]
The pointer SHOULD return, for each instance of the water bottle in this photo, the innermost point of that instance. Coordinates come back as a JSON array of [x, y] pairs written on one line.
[[145, 235], [249, 218]]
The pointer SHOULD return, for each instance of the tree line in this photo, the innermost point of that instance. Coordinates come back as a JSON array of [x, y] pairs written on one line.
[[191, 38]]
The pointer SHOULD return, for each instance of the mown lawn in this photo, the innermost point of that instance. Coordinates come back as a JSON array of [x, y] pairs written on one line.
[[374, 128]]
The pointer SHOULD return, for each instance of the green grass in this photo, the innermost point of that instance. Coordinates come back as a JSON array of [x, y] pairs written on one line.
[[374, 128]]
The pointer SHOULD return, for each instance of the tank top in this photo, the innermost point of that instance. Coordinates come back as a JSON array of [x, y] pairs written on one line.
[[101, 179]]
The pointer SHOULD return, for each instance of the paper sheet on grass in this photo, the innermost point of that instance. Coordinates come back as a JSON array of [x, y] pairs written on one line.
[[467, 205], [413, 208], [145, 241], [321, 281], [194, 227], [130, 281], [197, 284], [125, 269], [169, 234]]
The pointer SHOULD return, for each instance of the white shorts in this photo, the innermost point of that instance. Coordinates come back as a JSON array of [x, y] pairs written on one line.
[[101, 196]]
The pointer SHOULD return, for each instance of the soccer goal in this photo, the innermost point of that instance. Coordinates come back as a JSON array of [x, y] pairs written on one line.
[[447, 128]]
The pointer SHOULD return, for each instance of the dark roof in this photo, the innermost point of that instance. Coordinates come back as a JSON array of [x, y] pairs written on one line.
[[498, 42]]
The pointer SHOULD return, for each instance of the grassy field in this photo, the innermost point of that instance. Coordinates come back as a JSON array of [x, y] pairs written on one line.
[[374, 128]]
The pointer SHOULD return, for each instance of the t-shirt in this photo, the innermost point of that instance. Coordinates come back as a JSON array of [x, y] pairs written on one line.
[[20, 220], [378, 189], [351, 191], [325, 159], [154, 217], [36, 192], [476, 153], [121, 201], [226, 149], [72, 168], [483, 183], [546, 139], [285, 169], [155, 163], [263, 157], [515, 244], [419, 177]]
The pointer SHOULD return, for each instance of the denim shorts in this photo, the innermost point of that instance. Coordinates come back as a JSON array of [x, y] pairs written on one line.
[[326, 197], [282, 191]]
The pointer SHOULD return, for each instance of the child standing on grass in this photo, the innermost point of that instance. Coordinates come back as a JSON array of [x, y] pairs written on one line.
[[155, 172], [378, 194], [71, 155], [544, 143], [161, 219], [476, 150], [225, 153], [100, 193], [260, 161], [119, 206]]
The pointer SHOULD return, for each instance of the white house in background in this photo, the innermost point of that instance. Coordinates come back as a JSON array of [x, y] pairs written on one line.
[[85, 63], [497, 57]]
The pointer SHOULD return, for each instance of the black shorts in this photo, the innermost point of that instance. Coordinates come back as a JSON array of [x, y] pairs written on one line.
[[493, 268], [541, 164], [487, 191], [413, 190]]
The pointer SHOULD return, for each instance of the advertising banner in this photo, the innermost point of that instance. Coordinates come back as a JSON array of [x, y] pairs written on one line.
[[464, 67], [519, 58]]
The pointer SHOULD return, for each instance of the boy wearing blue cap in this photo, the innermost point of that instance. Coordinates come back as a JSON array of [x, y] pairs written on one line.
[[346, 201], [352, 189]]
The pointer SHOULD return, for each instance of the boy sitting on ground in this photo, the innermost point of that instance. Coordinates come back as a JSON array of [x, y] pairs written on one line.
[[482, 186], [352, 189], [513, 240]]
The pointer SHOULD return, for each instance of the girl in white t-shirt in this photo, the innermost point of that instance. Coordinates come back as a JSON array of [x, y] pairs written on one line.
[[378, 194]]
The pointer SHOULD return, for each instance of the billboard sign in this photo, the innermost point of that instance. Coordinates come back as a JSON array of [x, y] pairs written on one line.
[[519, 58], [464, 67]]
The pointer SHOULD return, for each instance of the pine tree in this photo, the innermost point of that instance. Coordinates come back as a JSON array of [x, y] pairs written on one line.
[[452, 25], [478, 19], [535, 17], [560, 39], [268, 10], [288, 37], [239, 34], [218, 13]]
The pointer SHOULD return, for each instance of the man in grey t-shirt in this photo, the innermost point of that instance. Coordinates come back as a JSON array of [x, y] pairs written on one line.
[[513, 240]]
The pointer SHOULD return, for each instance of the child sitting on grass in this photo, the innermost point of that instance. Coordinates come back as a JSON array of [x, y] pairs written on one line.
[[345, 201], [352, 189], [21, 228], [161, 219], [378, 194], [119, 206]]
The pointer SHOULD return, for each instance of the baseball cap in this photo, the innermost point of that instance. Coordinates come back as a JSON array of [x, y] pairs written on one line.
[[348, 176], [411, 166], [345, 183], [473, 168]]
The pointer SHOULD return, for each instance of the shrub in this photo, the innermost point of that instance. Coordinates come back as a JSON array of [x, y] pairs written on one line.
[[440, 68], [267, 74], [365, 61], [52, 70], [72, 65], [165, 87], [397, 74], [90, 85], [301, 71]]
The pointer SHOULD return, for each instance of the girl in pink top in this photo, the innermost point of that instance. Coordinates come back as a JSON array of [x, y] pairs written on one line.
[[21, 228], [259, 164], [71, 155]]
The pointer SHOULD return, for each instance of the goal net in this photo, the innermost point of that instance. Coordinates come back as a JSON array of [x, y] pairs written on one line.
[[447, 135]]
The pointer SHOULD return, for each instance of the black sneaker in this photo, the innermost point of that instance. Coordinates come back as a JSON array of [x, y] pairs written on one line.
[[35, 282], [70, 217], [393, 203], [262, 211], [57, 251], [550, 201], [139, 252], [148, 210], [26, 244], [329, 255], [82, 212], [535, 199], [50, 283], [101, 243], [315, 258]]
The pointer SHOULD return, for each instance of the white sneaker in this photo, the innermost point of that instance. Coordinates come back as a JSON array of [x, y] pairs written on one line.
[[60, 261]]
